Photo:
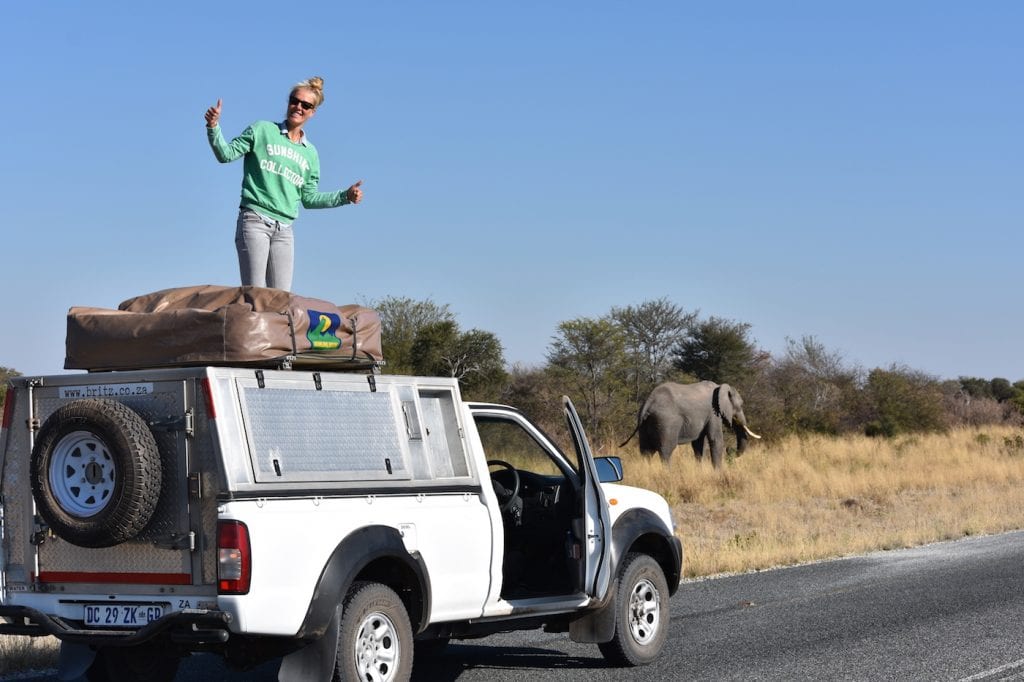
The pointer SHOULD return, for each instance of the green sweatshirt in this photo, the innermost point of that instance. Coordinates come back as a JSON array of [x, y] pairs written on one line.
[[277, 172]]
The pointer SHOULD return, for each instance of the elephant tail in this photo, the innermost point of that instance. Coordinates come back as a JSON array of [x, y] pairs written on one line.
[[623, 443]]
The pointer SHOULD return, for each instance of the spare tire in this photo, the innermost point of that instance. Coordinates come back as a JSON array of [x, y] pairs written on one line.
[[96, 473]]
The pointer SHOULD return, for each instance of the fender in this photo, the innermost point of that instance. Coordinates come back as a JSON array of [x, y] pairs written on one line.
[[354, 553], [663, 546]]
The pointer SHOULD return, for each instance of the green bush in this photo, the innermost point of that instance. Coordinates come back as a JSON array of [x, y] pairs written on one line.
[[1014, 445], [903, 401]]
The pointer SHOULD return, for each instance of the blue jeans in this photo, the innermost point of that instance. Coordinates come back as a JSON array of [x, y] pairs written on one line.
[[266, 250]]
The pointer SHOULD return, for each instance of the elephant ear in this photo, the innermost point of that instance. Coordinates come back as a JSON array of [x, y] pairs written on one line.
[[725, 407]]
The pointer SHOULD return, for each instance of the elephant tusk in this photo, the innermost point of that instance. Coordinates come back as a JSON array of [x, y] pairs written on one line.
[[751, 433]]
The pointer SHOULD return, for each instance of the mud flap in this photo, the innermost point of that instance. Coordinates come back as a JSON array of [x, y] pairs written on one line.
[[74, 660], [596, 627], [315, 661]]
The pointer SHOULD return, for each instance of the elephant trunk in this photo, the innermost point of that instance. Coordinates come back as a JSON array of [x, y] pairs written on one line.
[[741, 438], [743, 435]]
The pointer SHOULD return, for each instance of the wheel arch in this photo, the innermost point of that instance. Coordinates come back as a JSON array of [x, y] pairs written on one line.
[[642, 531], [376, 554]]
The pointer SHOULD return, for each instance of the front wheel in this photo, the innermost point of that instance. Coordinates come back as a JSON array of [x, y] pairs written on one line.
[[641, 613], [374, 638]]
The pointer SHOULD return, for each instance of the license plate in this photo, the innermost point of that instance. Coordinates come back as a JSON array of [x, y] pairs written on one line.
[[122, 615]]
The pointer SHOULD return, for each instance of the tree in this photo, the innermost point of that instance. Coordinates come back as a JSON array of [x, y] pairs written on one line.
[[535, 392], [964, 410], [818, 392], [479, 362], [589, 357], [1018, 400], [1003, 390], [430, 345], [904, 401], [475, 358], [1010, 396], [652, 329], [6, 374], [401, 320], [718, 350], [980, 401], [976, 387]]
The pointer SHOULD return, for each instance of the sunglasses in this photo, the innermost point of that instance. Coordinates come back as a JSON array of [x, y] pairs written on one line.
[[306, 106]]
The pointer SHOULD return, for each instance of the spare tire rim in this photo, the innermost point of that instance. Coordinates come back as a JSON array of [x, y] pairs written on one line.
[[82, 474], [644, 611], [377, 648]]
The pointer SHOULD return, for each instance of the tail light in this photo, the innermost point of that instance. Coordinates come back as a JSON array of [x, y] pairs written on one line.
[[8, 408], [234, 558], [208, 395]]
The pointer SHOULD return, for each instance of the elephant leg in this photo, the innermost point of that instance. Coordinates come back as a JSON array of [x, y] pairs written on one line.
[[717, 450], [667, 438], [648, 441], [717, 440], [662, 437], [698, 447], [667, 448]]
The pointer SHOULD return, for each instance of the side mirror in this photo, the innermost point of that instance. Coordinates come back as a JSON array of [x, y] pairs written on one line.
[[609, 469]]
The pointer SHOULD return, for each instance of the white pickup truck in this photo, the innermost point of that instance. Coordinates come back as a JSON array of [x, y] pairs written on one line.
[[340, 521]]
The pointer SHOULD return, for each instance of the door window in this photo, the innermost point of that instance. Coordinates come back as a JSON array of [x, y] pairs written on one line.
[[508, 441]]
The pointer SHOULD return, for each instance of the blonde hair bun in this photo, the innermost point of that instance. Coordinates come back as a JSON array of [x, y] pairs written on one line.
[[316, 84]]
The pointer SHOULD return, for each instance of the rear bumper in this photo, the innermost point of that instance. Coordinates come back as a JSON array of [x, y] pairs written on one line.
[[191, 626]]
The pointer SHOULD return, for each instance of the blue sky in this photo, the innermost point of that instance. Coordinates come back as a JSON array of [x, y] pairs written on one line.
[[851, 171]]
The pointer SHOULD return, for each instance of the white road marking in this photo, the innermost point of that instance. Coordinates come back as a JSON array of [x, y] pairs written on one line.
[[1016, 669]]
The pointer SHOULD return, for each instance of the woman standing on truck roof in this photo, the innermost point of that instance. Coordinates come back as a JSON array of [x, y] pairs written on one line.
[[281, 168]]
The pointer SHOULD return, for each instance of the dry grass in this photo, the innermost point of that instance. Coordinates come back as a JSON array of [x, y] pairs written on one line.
[[19, 653], [814, 497]]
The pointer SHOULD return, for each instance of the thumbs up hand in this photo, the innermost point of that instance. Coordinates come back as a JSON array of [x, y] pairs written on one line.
[[213, 115], [354, 194]]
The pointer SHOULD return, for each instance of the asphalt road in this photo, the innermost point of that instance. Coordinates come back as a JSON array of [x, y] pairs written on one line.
[[949, 611]]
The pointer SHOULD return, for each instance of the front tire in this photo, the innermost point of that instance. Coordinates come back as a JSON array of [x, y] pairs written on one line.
[[641, 613], [374, 637]]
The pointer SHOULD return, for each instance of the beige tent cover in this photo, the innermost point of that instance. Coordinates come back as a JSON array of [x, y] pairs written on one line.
[[218, 325]]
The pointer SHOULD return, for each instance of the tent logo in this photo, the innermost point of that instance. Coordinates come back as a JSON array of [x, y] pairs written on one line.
[[322, 330]]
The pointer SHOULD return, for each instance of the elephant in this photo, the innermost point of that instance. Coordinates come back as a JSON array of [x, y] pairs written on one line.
[[691, 413]]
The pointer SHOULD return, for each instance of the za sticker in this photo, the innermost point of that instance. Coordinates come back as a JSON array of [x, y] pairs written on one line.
[[322, 330]]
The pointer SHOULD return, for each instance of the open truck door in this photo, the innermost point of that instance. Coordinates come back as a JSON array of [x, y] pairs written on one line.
[[596, 529]]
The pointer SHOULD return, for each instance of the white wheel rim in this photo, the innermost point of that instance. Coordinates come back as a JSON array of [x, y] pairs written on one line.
[[644, 612], [82, 474], [378, 651]]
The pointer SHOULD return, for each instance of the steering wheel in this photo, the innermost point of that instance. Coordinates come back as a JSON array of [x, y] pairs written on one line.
[[505, 496]]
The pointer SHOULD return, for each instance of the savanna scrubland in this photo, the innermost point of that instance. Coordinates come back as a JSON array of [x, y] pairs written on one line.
[[852, 459], [811, 497]]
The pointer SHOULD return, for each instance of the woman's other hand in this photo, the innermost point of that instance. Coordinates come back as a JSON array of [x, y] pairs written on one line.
[[353, 193]]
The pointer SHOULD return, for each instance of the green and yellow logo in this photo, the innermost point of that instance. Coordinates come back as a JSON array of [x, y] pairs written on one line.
[[323, 328]]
